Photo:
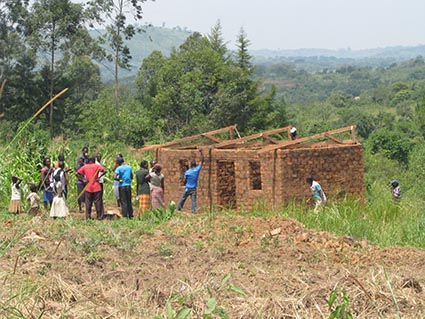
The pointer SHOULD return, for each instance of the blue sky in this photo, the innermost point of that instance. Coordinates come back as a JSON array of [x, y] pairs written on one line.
[[292, 24]]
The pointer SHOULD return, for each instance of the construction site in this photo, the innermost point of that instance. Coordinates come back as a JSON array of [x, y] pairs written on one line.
[[267, 168]]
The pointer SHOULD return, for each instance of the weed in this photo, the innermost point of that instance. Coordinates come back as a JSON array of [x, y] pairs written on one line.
[[199, 244], [339, 310], [165, 251]]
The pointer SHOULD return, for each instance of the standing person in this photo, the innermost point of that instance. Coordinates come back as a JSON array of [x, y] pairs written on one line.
[[157, 186], [15, 199], [65, 179], [101, 179], [47, 182], [58, 208], [81, 183], [316, 192], [117, 183], [191, 177], [84, 155], [293, 133], [143, 188], [82, 160], [63, 174], [34, 201], [395, 190], [124, 174], [93, 190]]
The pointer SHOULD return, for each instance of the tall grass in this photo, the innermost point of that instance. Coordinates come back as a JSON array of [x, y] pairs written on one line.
[[379, 219]]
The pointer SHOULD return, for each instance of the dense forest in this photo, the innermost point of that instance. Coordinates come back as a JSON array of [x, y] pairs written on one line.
[[194, 83]]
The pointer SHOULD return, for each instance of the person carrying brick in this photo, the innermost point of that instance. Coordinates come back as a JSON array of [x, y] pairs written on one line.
[[191, 183]]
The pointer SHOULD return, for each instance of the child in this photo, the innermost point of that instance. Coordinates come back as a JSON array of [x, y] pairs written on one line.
[[34, 200], [396, 191], [59, 208], [15, 201]]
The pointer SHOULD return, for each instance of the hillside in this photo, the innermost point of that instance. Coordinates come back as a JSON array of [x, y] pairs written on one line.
[[142, 44], [312, 60], [200, 266]]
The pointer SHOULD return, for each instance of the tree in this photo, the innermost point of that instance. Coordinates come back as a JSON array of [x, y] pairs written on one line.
[[116, 13], [17, 65], [243, 58], [51, 26], [392, 143], [217, 41], [146, 79]]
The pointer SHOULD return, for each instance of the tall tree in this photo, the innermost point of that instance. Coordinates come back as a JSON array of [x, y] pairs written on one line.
[[217, 41], [51, 26], [116, 13], [17, 64], [243, 58], [199, 88]]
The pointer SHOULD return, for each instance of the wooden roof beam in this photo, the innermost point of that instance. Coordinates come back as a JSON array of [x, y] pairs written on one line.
[[191, 138], [305, 139], [251, 137]]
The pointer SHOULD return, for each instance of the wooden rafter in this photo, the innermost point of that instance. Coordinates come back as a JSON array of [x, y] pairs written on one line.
[[251, 137], [209, 135], [285, 143]]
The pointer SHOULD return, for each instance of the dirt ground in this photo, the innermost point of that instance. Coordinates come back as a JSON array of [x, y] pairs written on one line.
[[201, 266]]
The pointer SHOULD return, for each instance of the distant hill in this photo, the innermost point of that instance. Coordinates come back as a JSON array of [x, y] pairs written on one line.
[[398, 52], [311, 60], [143, 44], [314, 60]]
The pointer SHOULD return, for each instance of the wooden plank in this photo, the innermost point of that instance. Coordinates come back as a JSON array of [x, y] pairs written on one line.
[[270, 139], [304, 139], [353, 133], [334, 138], [250, 137], [186, 139], [212, 138]]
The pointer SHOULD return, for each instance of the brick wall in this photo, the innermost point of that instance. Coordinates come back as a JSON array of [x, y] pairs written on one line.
[[240, 177]]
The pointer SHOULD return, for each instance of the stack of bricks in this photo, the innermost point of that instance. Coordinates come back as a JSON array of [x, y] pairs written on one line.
[[243, 178]]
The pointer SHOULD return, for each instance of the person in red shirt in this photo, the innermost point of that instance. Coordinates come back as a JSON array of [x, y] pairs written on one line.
[[93, 189]]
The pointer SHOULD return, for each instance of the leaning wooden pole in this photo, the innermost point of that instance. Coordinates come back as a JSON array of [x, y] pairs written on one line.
[[35, 115], [2, 87]]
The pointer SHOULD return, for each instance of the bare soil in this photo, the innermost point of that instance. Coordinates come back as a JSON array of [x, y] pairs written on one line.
[[216, 266]]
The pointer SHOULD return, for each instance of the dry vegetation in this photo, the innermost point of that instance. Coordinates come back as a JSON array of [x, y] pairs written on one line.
[[199, 266]]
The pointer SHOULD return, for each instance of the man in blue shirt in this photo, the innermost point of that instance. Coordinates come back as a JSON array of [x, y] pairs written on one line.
[[191, 182], [124, 174]]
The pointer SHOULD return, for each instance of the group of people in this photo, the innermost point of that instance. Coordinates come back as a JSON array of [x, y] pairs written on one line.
[[150, 185], [90, 186], [90, 172]]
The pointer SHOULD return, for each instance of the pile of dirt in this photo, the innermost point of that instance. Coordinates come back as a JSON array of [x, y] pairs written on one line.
[[209, 266]]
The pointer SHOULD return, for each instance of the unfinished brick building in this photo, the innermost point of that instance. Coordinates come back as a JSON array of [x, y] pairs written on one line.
[[266, 168]]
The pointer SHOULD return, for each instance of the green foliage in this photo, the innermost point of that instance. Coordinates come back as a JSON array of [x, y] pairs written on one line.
[[339, 310], [199, 88], [393, 143]]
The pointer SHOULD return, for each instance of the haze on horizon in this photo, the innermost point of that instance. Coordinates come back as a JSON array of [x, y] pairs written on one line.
[[294, 24]]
